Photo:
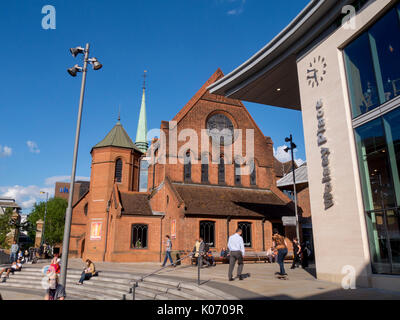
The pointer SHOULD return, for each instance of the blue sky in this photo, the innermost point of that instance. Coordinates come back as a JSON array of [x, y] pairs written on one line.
[[180, 42]]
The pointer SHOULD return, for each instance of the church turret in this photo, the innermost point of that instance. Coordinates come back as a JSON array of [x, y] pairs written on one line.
[[141, 134]]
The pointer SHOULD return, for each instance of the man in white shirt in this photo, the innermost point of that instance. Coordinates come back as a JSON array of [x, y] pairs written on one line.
[[236, 248]]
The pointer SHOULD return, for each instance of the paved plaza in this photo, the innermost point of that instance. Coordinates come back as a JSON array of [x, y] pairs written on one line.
[[261, 285]]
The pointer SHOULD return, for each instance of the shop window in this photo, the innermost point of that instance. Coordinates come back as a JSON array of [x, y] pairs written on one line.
[[207, 232], [372, 67], [139, 236], [246, 233]]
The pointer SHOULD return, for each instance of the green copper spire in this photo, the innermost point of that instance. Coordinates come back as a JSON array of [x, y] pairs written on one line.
[[141, 134]]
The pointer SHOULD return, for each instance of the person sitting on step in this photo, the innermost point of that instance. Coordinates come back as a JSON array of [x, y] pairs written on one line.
[[89, 272], [16, 266]]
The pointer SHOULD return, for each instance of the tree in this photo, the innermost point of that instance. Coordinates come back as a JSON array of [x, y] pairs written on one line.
[[55, 219], [5, 228]]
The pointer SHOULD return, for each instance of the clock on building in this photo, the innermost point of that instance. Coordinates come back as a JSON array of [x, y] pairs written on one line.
[[316, 71], [221, 129]]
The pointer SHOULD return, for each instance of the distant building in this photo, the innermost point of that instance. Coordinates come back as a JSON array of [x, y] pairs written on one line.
[[62, 190], [6, 203]]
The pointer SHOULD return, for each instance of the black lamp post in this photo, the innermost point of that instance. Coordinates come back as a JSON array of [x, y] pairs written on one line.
[[291, 149]]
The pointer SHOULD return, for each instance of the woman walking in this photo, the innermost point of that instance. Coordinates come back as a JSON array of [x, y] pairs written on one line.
[[168, 247]]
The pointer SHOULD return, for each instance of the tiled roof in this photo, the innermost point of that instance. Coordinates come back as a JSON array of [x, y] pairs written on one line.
[[9, 205], [134, 203], [117, 137], [300, 174], [282, 168], [228, 201]]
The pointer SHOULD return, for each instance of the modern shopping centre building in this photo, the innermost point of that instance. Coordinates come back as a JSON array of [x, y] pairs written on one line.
[[339, 63]]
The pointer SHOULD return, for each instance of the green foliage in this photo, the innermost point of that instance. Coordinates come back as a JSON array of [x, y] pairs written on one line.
[[5, 228], [55, 219]]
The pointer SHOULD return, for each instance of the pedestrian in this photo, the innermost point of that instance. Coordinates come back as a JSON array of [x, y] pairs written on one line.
[[55, 291], [296, 254], [89, 272], [305, 253], [26, 256], [236, 249], [168, 247], [13, 252], [281, 246]]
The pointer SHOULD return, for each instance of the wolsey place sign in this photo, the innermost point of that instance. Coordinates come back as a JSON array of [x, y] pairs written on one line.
[[326, 180]]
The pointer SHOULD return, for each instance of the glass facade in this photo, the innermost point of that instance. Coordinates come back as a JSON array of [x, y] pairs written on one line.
[[373, 72], [378, 146], [372, 67]]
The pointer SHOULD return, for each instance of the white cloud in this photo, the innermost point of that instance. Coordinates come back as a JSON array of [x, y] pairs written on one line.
[[52, 180], [5, 151], [283, 156], [33, 147], [27, 196], [234, 11]]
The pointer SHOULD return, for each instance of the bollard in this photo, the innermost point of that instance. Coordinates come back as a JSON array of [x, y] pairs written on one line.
[[198, 269]]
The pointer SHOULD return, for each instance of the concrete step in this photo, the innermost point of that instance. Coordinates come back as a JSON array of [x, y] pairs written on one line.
[[118, 284]]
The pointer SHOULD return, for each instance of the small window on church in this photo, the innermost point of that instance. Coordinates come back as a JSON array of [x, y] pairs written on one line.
[[238, 177], [246, 233], [253, 175], [85, 209], [204, 168], [118, 170], [207, 232], [187, 167], [221, 171], [139, 236]]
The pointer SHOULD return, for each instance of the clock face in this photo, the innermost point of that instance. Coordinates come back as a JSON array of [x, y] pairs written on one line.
[[316, 72], [221, 129]]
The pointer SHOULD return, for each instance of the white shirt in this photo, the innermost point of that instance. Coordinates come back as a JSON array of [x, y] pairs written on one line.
[[235, 243]]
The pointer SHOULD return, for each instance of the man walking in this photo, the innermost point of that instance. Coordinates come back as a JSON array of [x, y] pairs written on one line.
[[236, 248], [168, 247], [14, 250]]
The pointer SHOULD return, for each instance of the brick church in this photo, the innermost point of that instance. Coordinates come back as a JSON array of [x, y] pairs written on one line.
[[188, 191]]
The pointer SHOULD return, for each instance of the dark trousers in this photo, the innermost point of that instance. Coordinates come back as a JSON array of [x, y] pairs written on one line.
[[13, 257], [235, 256], [168, 256], [296, 261], [85, 276], [281, 258]]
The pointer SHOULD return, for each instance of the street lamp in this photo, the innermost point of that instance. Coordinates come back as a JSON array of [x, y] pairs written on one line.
[[45, 214], [287, 149], [68, 214]]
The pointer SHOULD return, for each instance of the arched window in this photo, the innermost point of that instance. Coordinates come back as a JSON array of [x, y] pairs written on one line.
[[118, 170], [253, 175], [246, 233], [204, 168], [221, 171], [139, 236], [238, 177], [187, 167], [207, 232]]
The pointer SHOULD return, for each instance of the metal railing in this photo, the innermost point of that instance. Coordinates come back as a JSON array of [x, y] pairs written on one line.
[[135, 283]]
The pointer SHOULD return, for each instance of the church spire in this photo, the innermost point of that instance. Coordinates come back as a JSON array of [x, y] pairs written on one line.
[[141, 134]]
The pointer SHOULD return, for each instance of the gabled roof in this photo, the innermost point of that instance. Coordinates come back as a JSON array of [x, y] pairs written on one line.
[[301, 175], [203, 92], [283, 168], [135, 203], [117, 137], [230, 201]]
